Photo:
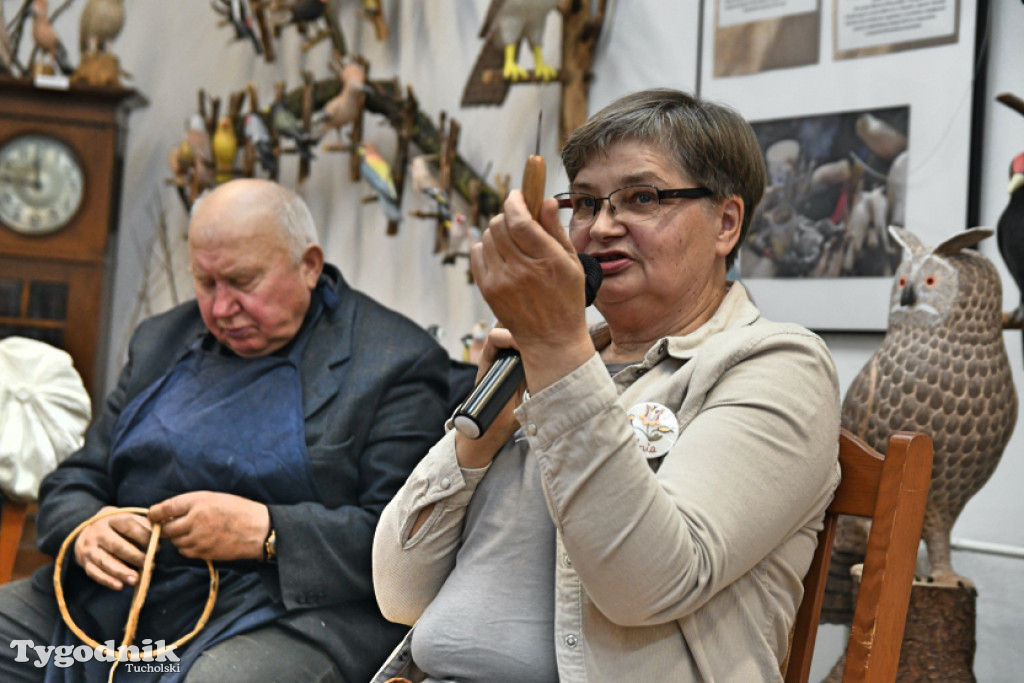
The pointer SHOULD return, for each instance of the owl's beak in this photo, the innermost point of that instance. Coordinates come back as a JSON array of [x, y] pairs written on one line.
[[909, 296]]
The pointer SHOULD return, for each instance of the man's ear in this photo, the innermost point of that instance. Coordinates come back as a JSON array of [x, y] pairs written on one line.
[[312, 264], [729, 226]]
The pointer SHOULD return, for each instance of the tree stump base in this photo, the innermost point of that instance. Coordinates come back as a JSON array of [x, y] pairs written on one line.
[[939, 638]]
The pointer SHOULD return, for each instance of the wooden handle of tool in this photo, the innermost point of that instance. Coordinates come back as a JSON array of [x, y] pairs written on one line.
[[533, 184]]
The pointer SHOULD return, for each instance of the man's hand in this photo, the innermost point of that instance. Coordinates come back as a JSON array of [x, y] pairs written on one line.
[[108, 548], [213, 526]]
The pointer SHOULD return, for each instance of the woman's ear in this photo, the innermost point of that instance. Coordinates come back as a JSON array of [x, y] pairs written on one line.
[[729, 225]]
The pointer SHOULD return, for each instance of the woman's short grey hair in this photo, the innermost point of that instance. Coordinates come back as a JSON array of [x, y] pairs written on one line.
[[711, 143]]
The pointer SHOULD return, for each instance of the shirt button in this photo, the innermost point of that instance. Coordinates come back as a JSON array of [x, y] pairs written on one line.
[[571, 640], [445, 483], [531, 429]]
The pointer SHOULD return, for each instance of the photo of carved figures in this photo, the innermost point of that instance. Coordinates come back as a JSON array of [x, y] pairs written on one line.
[[835, 184]]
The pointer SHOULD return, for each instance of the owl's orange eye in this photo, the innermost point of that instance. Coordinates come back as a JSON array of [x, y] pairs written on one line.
[[930, 280], [903, 281]]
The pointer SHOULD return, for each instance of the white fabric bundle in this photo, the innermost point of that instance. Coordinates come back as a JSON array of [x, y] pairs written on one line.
[[44, 410]]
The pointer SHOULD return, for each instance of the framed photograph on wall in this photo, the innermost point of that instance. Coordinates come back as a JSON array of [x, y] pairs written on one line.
[[874, 130]]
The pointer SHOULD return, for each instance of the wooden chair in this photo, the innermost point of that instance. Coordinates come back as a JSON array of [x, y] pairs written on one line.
[[892, 491], [12, 523]]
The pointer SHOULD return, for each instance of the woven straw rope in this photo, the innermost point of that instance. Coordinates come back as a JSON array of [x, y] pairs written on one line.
[[138, 597]]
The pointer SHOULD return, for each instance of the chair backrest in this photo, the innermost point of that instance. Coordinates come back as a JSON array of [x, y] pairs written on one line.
[[892, 491], [12, 523]]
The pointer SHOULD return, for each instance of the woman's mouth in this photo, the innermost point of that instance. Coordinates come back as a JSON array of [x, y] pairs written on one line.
[[613, 262]]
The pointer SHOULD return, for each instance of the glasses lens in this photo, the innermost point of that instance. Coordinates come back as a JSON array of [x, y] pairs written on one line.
[[638, 202], [576, 208]]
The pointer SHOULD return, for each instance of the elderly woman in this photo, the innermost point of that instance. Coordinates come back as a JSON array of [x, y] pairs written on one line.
[[654, 515]]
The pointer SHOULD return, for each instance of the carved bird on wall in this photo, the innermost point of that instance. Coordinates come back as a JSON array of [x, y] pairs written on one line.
[[343, 108], [1010, 233], [941, 369], [258, 136], [100, 23], [514, 20], [225, 147], [376, 170], [505, 26]]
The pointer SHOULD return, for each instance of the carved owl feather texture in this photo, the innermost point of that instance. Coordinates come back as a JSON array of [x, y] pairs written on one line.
[[941, 369]]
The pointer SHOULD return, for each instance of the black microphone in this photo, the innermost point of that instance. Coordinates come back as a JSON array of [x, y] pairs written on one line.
[[478, 411]]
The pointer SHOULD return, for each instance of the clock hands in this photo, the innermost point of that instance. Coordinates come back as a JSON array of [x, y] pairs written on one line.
[[36, 164], [21, 174]]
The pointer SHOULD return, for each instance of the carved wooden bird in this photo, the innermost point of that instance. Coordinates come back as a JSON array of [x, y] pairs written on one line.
[[506, 24], [512, 21], [343, 108], [46, 37], [100, 23], [941, 369], [288, 125], [240, 15], [301, 11], [258, 136], [426, 183], [1010, 233], [376, 170], [225, 147]]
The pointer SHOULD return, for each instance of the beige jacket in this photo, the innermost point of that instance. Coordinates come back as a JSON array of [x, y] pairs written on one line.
[[683, 568]]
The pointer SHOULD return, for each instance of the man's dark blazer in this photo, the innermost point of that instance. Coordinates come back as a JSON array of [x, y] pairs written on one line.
[[374, 390]]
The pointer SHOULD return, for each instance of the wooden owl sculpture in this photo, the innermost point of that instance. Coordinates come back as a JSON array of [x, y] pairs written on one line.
[[941, 369]]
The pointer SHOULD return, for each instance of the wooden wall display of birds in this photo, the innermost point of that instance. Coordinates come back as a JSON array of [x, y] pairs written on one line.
[[941, 369]]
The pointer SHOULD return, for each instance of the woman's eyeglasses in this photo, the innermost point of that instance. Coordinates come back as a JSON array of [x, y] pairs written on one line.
[[628, 204]]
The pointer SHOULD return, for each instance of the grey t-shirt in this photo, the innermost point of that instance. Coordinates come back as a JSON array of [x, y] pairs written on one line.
[[493, 619]]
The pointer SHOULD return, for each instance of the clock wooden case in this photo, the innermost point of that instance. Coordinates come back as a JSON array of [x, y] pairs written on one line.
[[56, 237]]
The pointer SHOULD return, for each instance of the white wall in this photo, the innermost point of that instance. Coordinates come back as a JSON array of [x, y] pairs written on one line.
[[174, 48]]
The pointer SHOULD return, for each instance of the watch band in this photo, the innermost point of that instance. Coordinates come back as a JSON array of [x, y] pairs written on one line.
[[270, 546]]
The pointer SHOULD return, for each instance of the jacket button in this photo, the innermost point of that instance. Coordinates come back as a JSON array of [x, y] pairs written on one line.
[[571, 640], [566, 560], [531, 429]]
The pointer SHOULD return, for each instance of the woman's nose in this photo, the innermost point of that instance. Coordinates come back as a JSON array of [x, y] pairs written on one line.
[[605, 223]]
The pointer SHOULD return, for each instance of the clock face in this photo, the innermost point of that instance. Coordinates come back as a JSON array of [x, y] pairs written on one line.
[[41, 184]]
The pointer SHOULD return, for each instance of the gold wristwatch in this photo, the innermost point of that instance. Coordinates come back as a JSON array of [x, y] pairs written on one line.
[[270, 547]]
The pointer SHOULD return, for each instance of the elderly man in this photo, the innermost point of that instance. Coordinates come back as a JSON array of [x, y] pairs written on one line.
[[264, 425]]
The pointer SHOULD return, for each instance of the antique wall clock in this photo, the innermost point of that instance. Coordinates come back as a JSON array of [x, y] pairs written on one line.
[[60, 180]]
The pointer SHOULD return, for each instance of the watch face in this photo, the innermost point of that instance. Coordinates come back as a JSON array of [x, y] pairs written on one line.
[[41, 184]]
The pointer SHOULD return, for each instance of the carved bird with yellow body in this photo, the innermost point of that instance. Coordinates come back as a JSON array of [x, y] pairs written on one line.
[[225, 147]]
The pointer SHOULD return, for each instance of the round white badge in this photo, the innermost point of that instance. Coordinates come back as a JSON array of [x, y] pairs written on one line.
[[655, 426]]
